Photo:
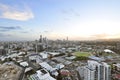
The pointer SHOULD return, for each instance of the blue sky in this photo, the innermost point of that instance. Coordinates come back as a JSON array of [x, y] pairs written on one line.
[[57, 19]]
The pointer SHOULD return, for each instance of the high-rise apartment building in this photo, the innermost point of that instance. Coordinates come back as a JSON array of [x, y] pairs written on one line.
[[106, 71], [97, 71]]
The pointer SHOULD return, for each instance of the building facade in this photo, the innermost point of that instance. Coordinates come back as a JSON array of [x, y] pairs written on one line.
[[97, 71]]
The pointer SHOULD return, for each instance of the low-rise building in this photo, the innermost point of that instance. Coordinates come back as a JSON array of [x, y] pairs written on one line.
[[24, 64], [52, 70], [41, 75]]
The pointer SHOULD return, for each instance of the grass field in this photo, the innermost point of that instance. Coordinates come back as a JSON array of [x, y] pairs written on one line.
[[78, 54]]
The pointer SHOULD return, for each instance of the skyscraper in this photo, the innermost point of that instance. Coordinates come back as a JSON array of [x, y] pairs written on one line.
[[40, 40]]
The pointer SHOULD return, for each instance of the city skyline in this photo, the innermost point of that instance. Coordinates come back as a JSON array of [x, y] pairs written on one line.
[[58, 19]]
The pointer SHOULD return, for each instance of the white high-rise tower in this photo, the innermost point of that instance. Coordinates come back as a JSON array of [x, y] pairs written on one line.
[[97, 71]]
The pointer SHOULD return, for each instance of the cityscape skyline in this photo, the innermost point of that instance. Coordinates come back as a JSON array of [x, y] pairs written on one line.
[[58, 19]]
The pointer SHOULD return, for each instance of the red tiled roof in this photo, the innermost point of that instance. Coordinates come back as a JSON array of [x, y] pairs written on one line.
[[117, 76]]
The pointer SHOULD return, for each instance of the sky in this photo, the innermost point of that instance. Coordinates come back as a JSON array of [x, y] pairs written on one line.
[[58, 19]]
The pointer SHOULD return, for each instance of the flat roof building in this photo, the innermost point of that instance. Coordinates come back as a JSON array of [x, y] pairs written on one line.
[[41, 75]]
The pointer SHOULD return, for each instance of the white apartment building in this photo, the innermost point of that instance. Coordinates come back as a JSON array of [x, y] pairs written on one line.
[[96, 71]]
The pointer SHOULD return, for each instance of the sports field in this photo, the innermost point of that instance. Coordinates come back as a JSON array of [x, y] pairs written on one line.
[[78, 54]]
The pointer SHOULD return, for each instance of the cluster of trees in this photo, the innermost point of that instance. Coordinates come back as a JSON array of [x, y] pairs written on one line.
[[116, 50]]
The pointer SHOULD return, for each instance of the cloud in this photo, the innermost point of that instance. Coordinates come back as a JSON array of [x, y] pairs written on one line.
[[100, 36], [24, 32], [4, 35], [64, 11], [4, 28], [46, 31], [70, 12], [74, 12], [10, 12]]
